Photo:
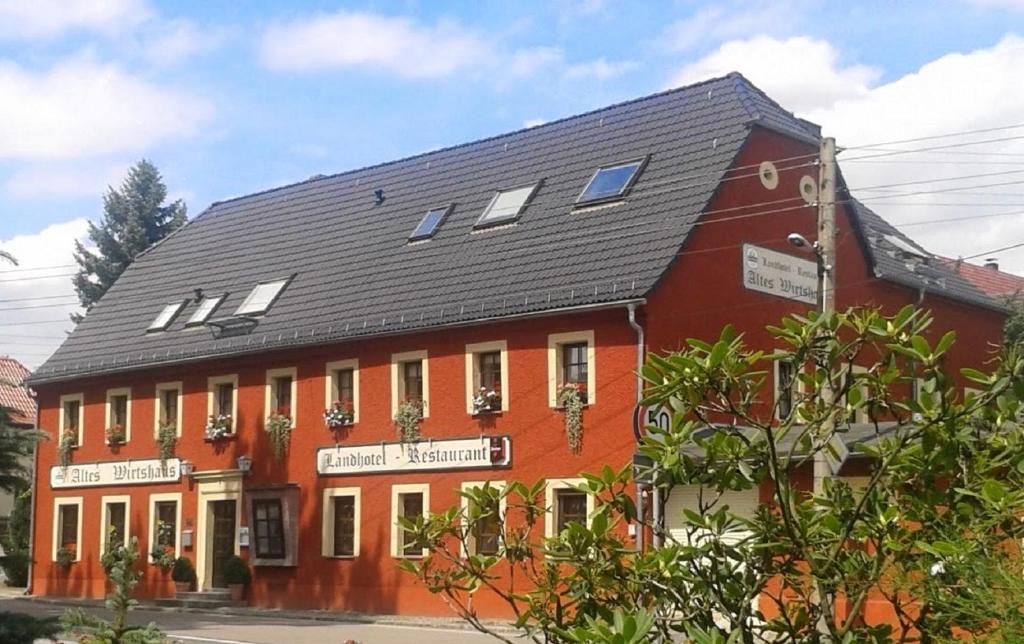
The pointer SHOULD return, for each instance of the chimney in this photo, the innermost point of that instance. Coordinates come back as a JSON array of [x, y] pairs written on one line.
[[992, 263]]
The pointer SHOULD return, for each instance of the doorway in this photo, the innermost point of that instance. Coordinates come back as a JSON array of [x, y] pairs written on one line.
[[222, 543]]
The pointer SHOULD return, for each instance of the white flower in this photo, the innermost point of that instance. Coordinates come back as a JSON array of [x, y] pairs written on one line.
[[937, 569]]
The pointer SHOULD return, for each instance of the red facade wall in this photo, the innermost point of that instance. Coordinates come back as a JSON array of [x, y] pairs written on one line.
[[702, 292]]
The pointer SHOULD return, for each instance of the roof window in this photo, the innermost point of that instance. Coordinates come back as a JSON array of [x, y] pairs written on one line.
[[905, 247], [610, 182], [506, 205], [167, 315], [205, 310], [430, 223], [261, 298]]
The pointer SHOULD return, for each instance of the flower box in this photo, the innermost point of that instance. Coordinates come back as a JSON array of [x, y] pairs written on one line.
[[340, 414], [218, 427], [116, 435], [487, 401]]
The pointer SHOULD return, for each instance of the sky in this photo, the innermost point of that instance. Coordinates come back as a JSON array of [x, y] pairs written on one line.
[[232, 98]]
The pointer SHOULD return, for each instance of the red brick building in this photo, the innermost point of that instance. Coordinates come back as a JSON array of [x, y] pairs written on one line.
[[518, 263]]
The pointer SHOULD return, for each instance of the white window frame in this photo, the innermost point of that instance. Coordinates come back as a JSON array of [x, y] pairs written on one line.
[[327, 530], [270, 391], [398, 378], [175, 310], [109, 409], [862, 415], [484, 221], [331, 384], [163, 498], [211, 393], [464, 504], [473, 370], [798, 388], [58, 502], [106, 501], [283, 284], [555, 343], [158, 401], [193, 321], [396, 530], [62, 422], [552, 486]]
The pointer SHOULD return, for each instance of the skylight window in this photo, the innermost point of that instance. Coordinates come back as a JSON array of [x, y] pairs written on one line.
[[206, 308], [430, 223], [610, 182], [167, 315], [506, 205], [261, 298]]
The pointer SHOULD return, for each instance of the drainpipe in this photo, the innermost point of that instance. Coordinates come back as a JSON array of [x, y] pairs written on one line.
[[640, 349], [32, 509]]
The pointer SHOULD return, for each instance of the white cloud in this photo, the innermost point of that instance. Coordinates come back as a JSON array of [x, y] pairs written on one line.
[[352, 39], [533, 122], [800, 72], [727, 21], [29, 334], [599, 69], [71, 181], [528, 61], [35, 19], [85, 108], [175, 41]]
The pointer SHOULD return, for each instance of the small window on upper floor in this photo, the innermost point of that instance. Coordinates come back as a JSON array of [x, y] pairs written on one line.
[[430, 223], [167, 316], [506, 205], [205, 310], [610, 182], [261, 298]]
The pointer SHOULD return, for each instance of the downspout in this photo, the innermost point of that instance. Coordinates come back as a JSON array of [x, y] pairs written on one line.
[[640, 350], [32, 509]]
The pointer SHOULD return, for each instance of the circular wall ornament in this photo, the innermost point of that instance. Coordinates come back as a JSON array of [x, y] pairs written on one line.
[[769, 175]]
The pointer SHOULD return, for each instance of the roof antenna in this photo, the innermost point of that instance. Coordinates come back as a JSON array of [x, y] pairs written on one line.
[[378, 196], [198, 293]]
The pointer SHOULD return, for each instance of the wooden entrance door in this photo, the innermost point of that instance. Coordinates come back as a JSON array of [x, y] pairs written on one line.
[[223, 542]]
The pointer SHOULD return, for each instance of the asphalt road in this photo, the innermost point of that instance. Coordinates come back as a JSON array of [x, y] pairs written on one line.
[[206, 628]]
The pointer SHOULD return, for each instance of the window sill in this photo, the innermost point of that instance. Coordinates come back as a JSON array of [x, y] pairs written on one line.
[[341, 557], [223, 439], [562, 407], [487, 412]]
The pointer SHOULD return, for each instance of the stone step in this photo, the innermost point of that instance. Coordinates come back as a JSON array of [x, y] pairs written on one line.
[[205, 594], [198, 602]]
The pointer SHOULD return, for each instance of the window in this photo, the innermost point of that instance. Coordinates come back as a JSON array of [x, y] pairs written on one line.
[[571, 360], [164, 522], [280, 392], [221, 399], [430, 223], [485, 533], [67, 526], [785, 389], [119, 411], [205, 309], [167, 410], [863, 413], [408, 502], [487, 367], [610, 182], [566, 505], [71, 415], [410, 379], [269, 524], [261, 298], [506, 205], [114, 522], [342, 385], [167, 315], [341, 522]]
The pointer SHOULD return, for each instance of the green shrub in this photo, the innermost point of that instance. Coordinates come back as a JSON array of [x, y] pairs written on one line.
[[18, 628], [236, 571], [15, 567], [183, 570]]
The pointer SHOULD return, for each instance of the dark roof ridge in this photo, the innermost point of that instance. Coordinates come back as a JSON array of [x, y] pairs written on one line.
[[494, 137]]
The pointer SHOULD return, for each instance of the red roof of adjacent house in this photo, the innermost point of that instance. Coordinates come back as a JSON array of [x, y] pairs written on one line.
[[994, 282], [16, 396]]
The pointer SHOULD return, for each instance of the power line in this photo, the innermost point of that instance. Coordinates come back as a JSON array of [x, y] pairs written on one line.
[[934, 147], [938, 136], [994, 250], [936, 180], [37, 268]]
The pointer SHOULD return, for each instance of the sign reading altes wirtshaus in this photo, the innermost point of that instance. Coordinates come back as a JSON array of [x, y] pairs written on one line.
[[141, 472], [444, 454], [779, 274]]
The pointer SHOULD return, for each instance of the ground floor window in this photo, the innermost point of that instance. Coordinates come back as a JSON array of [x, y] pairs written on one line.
[[407, 502], [269, 528], [484, 521], [566, 504], [67, 528], [164, 517], [341, 522], [114, 522], [273, 519]]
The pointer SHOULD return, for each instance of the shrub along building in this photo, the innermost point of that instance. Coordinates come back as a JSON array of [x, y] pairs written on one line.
[[462, 292]]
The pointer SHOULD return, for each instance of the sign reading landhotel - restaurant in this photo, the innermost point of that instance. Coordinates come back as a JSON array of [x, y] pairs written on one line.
[[779, 274], [442, 454], [141, 472]]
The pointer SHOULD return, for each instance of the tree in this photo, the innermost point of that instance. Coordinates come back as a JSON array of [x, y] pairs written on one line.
[[16, 445], [134, 218], [16, 544], [1013, 331], [934, 534]]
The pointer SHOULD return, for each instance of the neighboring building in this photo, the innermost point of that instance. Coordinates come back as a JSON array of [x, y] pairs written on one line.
[[557, 254], [999, 285], [17, 397]]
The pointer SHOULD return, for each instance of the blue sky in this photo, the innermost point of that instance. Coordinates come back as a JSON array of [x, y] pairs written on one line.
[[231, 98]]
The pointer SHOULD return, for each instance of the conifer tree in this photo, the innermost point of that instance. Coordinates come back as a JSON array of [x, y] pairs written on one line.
[[134, 218]]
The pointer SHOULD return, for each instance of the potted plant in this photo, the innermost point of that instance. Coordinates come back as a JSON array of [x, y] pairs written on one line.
[[116, 435], [68, 441], [487, 400], [183, 574], [66, 556], [166, 441], [163, 554], [572, 398], [218, 426], [407, 420], [237, 575], [339, 414], [279, 429]]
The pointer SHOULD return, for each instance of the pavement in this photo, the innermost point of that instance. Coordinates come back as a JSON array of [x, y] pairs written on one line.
[[259, 626]]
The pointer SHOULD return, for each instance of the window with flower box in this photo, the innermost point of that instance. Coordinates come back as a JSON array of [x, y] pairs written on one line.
[[71, 416], [119, 422], [487, 377], [114, 521], [571, 362], [222, 402], [342, 388], [168, 407], [164, 523], [410, 380], [280, 393], [67, 527]]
